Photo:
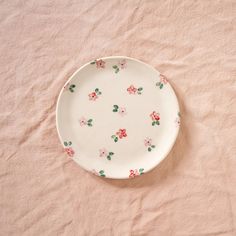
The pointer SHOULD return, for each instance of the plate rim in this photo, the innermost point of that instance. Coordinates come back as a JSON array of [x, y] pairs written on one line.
[[128, 58]]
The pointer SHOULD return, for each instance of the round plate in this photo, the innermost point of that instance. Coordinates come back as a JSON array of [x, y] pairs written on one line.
[[117, 117]]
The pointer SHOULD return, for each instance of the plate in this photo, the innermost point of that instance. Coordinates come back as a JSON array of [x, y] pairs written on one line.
[[117, 117]]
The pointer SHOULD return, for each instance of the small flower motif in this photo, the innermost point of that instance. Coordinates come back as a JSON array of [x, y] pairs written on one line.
[[120, 110], [100, 173], [99, 63], [70, 87], [104, 153], [121, 133], [177, 120], [68, 149], [134, 173], [155, 118], [133, 90], [83, 121], [148, 144], [122, 64], [163, 80], [94, 95]]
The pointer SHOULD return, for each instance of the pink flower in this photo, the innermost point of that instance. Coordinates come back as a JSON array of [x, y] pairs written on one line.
[[131, 89], [103, 152], [163, 79], [70, 151], [122, 64], [93, 96], [100, 63], [177, 121], [155, 116], [148, 142], [95, 172], [122, 111], [83, 121], [133, 173], [121, 133]]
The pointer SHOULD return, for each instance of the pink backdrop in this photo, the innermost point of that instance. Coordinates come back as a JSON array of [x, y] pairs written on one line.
[[192, 192]]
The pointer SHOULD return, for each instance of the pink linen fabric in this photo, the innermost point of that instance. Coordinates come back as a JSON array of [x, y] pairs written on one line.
[[192, 192]]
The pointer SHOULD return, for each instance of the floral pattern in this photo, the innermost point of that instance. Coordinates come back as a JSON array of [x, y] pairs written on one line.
[[163, 80], [83, 121], [155, 118], [122, 64], [94, 95], [104, 153], [68, 149], [177, 120], [121, 110], [134, 173], [100, 173], [148, 144], [121, 133], [70, 87], [133, 90], [99, 63]]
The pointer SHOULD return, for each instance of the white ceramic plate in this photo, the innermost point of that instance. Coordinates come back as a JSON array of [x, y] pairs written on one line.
[[117, 117]]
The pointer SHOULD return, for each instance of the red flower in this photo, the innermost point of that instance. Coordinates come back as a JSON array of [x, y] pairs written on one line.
[[121, 133], [93, 96], [163, 79], [133, 173], [100, 63], [70, 151], [155, 116], [131, 89]]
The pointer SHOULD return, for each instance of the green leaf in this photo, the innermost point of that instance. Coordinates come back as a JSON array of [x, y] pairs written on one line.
[[108, 158], [153, 146], [93, 62], [90, 120], [114, 110], [149, 149], [117, 70], [141, 170], [101, 172], [116, 106], [116, 139], [140, 89], [161, 86], [111, 153], [72, 86], [158, 84], [115, 66], [96, 90], [139, 93], [113, 136], [99, 93], [153, 123], [89, 124], [65, 143], [103, 175], [157, 122]]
